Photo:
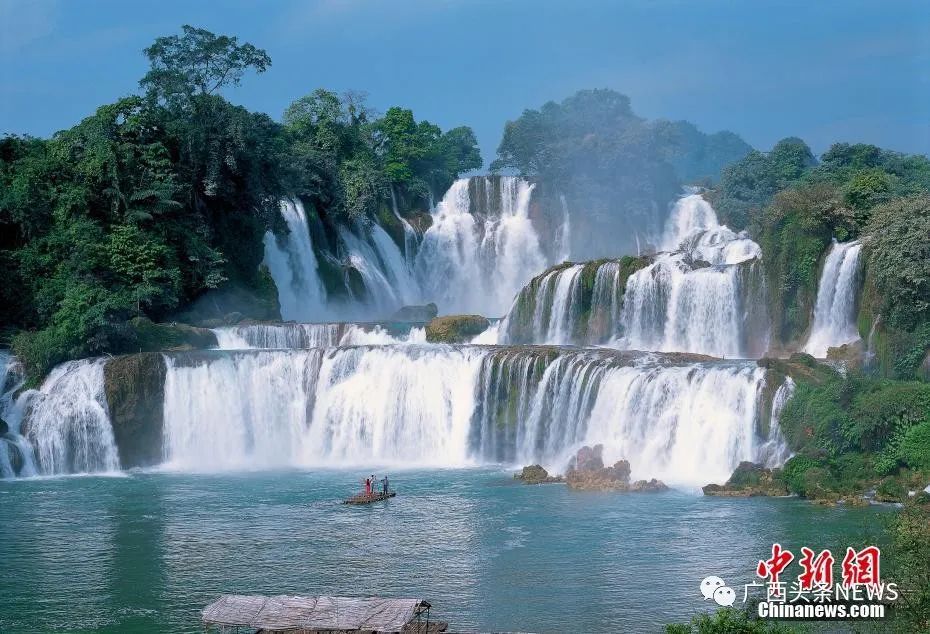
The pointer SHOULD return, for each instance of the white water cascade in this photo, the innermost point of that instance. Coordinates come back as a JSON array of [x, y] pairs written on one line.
[[470, 263], [388, 280], [297, 336], [16, 455], [67, 423], [704, 297], [774, 452], [835, 310], [460, 405], [410, 234], [699, 297], [293, 266]]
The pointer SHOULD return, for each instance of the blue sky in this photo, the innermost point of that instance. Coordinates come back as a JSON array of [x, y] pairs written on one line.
[[822, 70]]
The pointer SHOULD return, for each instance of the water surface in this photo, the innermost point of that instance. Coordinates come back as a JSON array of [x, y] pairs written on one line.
[[145, 552]]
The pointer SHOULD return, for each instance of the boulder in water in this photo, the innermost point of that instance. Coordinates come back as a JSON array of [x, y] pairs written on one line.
[[750, 480], [416, 313], [135, 390], [587, 472], [536, 474], [651, 486], [455, 328]]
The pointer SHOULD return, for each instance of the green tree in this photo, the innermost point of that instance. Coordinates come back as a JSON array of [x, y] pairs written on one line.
[[899, 259], [198, 63]]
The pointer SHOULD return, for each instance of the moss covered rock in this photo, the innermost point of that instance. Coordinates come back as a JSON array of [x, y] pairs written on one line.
[[750, 480], [416, 313], [455, 328], [536, 474], [135, 390], [152, 337]]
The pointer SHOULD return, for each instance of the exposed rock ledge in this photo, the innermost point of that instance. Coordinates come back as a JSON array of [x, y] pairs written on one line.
[[135, 391]]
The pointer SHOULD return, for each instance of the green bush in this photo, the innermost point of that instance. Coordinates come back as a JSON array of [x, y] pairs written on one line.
[[795, 470], [914, 450], [728, 621]]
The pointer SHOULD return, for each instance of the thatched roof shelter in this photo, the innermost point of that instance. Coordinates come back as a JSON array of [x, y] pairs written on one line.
[[317, 615]]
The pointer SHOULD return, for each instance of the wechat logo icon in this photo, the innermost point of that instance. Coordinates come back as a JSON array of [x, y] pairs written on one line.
[[716, 588]]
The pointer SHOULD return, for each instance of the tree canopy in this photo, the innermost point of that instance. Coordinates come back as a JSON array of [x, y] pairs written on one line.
[[156, 199]]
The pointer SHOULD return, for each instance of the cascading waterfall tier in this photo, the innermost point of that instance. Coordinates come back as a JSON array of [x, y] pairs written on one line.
[[835, 310], [774, 452], [330, 335], [479, 250], [16, 454], [460, 405], [293, 266], [481, 247], [571, 304], [66, 421], [706, 297]]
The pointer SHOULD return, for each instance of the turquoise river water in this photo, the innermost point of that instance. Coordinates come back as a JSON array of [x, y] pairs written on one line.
[[146, 551]]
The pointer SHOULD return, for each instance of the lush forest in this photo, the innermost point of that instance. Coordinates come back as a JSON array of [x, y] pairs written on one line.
[[163, 196]]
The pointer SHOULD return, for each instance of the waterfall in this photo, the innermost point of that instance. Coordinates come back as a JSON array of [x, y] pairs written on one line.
[[477, 262], [297, 336], [570, 304], [67, 423], [835, 310], [16, 454], [238, 411], [557, 305], [410, 235], [671, 306], [704, 298], [693, 228], [459, 405], [774, 452], [293, 266]]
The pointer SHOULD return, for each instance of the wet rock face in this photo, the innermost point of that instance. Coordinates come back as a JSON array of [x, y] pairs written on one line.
[[455, 328], [4, 428], [750, 480], [135, 390], [587, 472], [416, 313], [536, 474]]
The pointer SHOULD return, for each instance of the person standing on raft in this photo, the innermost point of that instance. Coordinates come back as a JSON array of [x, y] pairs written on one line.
[[368, 487], [384, 483]]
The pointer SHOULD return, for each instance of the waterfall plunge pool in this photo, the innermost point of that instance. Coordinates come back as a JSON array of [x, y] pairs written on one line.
[[145, 552]]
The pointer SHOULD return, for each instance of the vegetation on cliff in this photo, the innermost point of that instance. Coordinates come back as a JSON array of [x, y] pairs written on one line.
[[795, 205], [160, 200]]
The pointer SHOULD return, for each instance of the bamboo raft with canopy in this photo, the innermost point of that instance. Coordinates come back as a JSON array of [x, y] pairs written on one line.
[[285, 614]]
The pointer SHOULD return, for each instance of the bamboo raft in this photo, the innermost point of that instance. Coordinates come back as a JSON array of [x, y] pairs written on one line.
[[361, 498]]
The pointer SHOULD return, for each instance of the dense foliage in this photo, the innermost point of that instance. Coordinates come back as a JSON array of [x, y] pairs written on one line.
[[795, 206], [158, 199], [852, 432]]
